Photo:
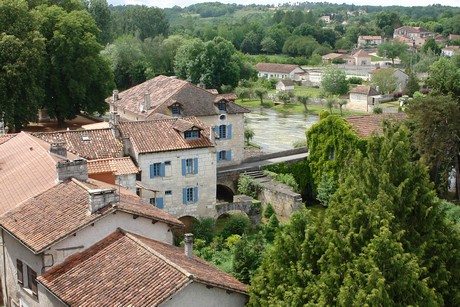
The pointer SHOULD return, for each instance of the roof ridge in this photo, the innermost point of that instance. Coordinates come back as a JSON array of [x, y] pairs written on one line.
[[157, 254]]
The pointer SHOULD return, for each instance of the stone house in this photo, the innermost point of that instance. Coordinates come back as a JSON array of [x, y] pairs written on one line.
[[177, 160], [362, 58], [285, 86], [168, 276], [119, 171], [330, 57], [363, 98], [280, 71], [450, 50], [413, 36], [166, 96], [369, 40]]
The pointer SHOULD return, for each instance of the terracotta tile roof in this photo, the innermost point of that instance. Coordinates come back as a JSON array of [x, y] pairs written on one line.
[[369, 37], [151, 272], [165, 91], [364, 125], [88, 144], [331, 56], [6, 137], [164, 135], [101, 125], [279, 68], [117, 166], [365, 90], [26, 169], [361, 53], [63, 209]]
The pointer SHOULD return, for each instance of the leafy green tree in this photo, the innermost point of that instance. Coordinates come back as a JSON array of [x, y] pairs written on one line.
[[384, 80], [425, 60], [269, 211], [260, 93], [203, 228], [237, 224], [436, 127], [242, 93], [247, 256], [334, 81], [341, 103], [444, 77], [303, 99], [100, 11], [285, 97], [375, 244], [187, 63], [430, 44], [251, 43], [77, 77], [22, 50], [387, 22], [248, 135], [412, 85], [268, 45], [326, 187], [392, 50], [271, 227]]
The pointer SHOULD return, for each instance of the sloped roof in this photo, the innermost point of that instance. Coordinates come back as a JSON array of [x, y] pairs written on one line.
[[365, 125], [164, 135], [369, 37], [165, 91], [331, 56], [117, 166], [26, 169], [63, 209], [88, 144], [151, 272], [278, 68], [287, 82], [365, 90], [412, 29], [361, 53], [6, 137]]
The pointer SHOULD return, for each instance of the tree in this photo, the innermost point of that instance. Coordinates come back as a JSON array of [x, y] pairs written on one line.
[[334, 81], [341, 103], [304, 99], [187, 63], [77, 77], [285, 97], [384, 80], [387, 22], [412, 85], [247, 256], [100, 11], [430, 44], [375, 244], [436, 131], [444, 77], [392, 50], [248, 135], [22, 50], [260, 93], [268, 45], [330, 103]]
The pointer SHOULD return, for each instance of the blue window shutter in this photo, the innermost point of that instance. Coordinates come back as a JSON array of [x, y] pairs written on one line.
[[195, 194], [152, 170], [183, 167], [229, 155], [162, 169], [229, 131], [195, 165], [160, 202], [184, 196], [216, 130]]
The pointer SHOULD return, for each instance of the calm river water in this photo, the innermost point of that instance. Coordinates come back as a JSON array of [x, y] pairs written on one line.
[[275, 131]]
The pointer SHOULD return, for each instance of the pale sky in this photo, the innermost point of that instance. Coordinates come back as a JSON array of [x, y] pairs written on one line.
[[184, 3]]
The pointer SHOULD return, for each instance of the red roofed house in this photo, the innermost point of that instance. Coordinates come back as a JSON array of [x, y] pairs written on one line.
[[280, 71], [177, 160], [363, 98], [413, 36], [362, 58], [166, 96], [132, 270]]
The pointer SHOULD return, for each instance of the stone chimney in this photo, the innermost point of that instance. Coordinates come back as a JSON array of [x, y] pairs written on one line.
[[146, 101], [99, 198], [58, 149], [77, 169], [188, 240]]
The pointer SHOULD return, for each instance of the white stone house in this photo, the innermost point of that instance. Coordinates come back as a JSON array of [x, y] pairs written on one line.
[[363, 98], [65, 219], [450, 50], [166, 96], [177, 160], [280, 71], [285, 86], [369, 40], [362, 58]]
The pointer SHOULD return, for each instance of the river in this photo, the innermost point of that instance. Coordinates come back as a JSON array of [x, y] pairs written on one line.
[[275, 131]]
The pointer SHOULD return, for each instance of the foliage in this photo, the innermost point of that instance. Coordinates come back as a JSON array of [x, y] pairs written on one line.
[[326, 187], [331, 102], [285, 96], [248, 255], [451, 211], [99, 10], [303, 99], [271, 227], [248, 135], [248, 186], [236, 224], [392, 50], [334, 81], [412, 85], [242, 93], [431, 44], [21, 58], [355, 80], [232, 240], [381, 241], [341, 103], [269, 211], [445, 77], [436, 129], [384, 80], [260, 93], [203, 228]]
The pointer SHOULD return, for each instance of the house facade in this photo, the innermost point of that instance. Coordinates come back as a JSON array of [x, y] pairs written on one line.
[[400, 75], [363, 98], [120, 171], [166, 97], [369, 40], [413, 36], [280, 71], [285, 86], [362, 58], [177, 161], [450, 50]]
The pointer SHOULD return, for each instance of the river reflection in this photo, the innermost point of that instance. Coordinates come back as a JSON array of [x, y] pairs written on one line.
[[275, 131]]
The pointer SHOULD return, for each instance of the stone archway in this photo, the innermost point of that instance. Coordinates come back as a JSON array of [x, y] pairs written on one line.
[[188, 222], [224, 193]]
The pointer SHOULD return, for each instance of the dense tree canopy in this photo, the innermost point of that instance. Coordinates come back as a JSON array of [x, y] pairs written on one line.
[[382, 240], [385, 81], [334, 81]]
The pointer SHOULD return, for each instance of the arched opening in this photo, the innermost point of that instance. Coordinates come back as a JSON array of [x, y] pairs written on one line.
[[224, 194], [188, 222]]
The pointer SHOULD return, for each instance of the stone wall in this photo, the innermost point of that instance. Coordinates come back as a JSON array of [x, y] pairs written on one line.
[[281, 197]]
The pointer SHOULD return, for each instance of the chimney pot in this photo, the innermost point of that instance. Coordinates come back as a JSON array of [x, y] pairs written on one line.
[[77, 169], [99, 198], [188, 240], [146, 101], [58, 149]]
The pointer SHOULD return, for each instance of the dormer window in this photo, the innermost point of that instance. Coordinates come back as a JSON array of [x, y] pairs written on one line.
[[222, 106], [192, 134], [175, 108]]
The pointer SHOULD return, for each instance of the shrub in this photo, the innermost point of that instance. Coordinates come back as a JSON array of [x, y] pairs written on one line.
[[355, 80], [248, 186], [326, 188], [236, 224], [269, 211], [203, 228], [271, 227], [378, 110], [232, 240]]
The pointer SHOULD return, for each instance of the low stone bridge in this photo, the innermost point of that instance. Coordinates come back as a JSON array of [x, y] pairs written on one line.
[[245, 204]]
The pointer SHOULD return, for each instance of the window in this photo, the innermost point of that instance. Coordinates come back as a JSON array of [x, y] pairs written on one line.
[[190, 195], [191, 134], [152, 201], [222, 106], [157, 202], [331, 153], [157, 170], [189, 166], [224, 155], [223, 131], [175, 110], [20, 268], [168, 192]]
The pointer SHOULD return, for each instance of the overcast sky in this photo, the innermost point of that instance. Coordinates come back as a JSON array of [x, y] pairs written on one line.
[[183, 3]]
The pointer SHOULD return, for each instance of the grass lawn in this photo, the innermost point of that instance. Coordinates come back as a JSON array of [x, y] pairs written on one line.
[[312, 92]]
